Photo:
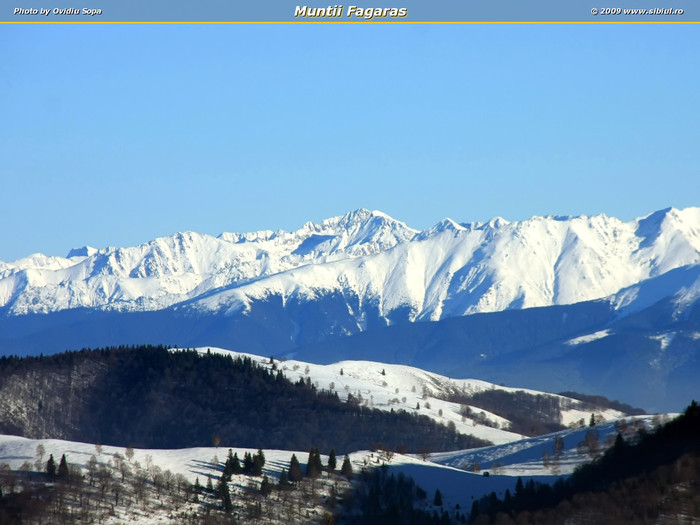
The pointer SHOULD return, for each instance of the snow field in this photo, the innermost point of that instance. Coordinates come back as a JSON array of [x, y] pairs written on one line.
[[444, 471], [403, 387]]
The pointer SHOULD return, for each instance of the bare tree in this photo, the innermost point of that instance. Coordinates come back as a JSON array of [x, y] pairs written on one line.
[[92, 469], [40, 451], [545, 459], [558, 447]]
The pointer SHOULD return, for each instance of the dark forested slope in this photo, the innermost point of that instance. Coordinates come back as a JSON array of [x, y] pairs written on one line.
[[152, 398]]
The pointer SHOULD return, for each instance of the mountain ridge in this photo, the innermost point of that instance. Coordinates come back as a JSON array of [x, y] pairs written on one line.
[[447, 270]]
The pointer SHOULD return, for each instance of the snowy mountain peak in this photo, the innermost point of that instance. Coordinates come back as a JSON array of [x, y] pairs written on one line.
[[498, 222], [377, 263], [448, 224]]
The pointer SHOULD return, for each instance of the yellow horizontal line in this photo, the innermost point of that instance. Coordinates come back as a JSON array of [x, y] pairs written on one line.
[[356, 22]]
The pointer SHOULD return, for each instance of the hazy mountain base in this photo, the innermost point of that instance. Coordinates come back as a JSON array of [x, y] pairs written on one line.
[[647, 358]]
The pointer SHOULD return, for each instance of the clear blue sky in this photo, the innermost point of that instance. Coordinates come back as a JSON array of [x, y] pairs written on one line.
[[117, 134]]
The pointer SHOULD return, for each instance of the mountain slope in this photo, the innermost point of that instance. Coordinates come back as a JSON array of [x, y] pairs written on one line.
[[383, 267], [589, 304], [641, 345]]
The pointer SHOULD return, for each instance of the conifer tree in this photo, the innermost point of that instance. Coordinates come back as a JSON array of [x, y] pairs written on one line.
[[63, 468], [294, 469], [310, 472], [314, 467], [210, 486], [51, 467], [346, 469], [519, 488], [284, 479], [332, 461], [220, 486], [265, 487], [317, 461], [236, 465], [248, 464], [437, 501], [228, 466], [258, 462], [475, 510], [261, 456], [226, 502], [507, 499]]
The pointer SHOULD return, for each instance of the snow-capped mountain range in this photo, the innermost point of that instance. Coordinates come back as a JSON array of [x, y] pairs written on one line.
[[369, 258], [590, 304]]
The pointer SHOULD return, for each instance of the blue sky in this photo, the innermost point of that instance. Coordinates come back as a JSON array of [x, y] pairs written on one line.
[[117, 134]]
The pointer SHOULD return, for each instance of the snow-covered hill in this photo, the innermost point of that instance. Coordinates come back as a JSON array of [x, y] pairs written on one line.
[[380, 266], [447, 472], [398, 387]]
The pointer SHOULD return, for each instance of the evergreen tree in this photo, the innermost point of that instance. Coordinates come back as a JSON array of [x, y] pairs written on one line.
[[236, 465], [265, 487], [63, 468], [346, 469], [475, 510], [331, 461], [261, 456], [314, 467], [437, 500], [620, 444], [51, 467], [228, 466], [592, 421], [248, 465], [294, 469], [258, 462], [317, 461], [445, 518], [225, 496], [197, 487], [311, 465], [284, 479], [220, 486], [210, 486], [519, 488]]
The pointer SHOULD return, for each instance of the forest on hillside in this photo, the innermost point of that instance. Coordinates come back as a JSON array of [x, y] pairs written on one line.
[[149, 397]]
